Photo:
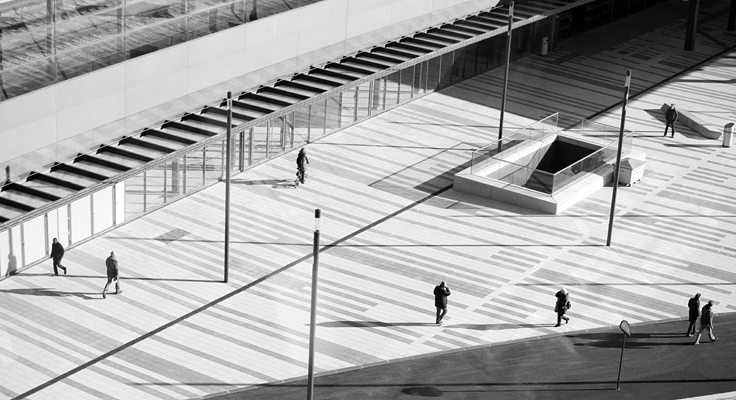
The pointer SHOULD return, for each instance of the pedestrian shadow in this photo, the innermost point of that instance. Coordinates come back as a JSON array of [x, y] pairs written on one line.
[[370, 324], [497, 327], [635, 341], [50, 292], [275, 183], [123, 278]]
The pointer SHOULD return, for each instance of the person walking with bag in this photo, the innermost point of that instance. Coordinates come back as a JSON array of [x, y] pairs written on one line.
[[441, 292], [670, 116], [706, 323], [562, 305], [57, 253], [693, 306], [113, 274], [301, 168]]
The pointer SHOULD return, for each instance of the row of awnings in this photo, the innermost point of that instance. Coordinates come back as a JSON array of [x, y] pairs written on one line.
[[40, 189]]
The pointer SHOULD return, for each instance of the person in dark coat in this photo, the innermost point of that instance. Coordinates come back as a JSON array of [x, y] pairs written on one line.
[[670, 116], [301, 168], [706, 323], [113, 274], [562, 305], [57, 253], [440, 301], [693, 306]]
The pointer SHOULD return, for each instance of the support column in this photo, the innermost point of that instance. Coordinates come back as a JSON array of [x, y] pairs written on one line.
[[692, 24]]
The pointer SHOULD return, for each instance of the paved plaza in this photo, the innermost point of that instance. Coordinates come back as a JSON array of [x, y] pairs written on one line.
[[393, 228]]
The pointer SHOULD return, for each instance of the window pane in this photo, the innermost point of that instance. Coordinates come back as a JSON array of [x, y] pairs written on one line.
[[102, 209], [135, 199], [333, 114], [81, 217], [34, 240], [301, 126], [391, 90], [317, 121]]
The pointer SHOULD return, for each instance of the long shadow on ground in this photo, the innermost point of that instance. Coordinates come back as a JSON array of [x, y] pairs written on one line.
[[659, 363]]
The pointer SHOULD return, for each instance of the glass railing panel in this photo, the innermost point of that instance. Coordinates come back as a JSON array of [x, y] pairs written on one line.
[[317, 120], [26, 78], [332, 113], [135, 196], [433, 70], [406, 88], [174, 179], [193, 170], [216, 19], [90, 28], [258, 9], [259, 143], [214, 162], [391, 88], [156, 37], [81, 60], [363, 98], [155, 186], [120, 205], [81, 219], [301, 126], [11, 250], [34, 240], [26, 46], [102, 209]]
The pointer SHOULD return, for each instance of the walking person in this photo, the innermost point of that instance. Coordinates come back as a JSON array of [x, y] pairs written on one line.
[[671, 116], [440, 301], [113, 274], [706, 323], [562, 305], [301, 168], [57, 253], [693, 306]]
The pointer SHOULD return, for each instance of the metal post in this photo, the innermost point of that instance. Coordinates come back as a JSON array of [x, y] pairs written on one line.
[[621, 363], [692, 24], [506, 74], [313, 317], [732, 16], [228, 145], [617, 167]]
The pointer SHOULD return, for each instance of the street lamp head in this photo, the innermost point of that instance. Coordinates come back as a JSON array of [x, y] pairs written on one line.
[[317, 215]]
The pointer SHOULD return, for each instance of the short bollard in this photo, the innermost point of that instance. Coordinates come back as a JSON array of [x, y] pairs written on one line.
[[728, 134]]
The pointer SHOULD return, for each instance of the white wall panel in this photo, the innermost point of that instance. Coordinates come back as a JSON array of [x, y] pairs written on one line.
[[87, 116], [322, 25], [155, 91], [90, 87], [215, 70], [156, 65], [365, 17], [211, 47]]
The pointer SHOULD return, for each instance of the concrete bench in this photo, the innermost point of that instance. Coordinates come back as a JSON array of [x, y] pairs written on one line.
[[685, 117]]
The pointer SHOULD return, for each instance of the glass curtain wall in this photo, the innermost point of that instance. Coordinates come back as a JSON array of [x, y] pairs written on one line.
[[257, 141], [43, 42]]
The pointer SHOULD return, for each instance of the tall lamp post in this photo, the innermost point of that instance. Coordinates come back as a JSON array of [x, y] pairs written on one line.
[[228, 145], [617, 167], [313, 317], [506, 74]]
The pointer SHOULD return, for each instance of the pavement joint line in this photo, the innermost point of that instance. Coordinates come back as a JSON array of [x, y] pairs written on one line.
[[227, 296], [445, 352]]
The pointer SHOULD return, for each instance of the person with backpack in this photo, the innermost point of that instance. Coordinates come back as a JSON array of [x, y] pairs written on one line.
[[562, 305]]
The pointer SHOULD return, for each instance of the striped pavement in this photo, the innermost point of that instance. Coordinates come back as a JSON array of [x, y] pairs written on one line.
[[392, 228]]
